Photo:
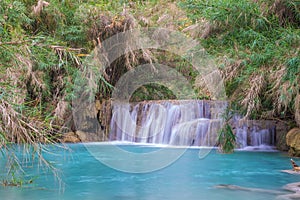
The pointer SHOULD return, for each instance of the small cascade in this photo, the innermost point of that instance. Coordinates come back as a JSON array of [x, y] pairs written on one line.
[[242, 137], [181, 123], [262, 137], [252, 134]]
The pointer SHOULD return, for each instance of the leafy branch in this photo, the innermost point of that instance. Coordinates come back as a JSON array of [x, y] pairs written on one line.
[[226, 137]]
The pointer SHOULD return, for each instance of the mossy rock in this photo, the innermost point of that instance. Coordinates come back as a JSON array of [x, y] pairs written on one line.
[[293, 141]]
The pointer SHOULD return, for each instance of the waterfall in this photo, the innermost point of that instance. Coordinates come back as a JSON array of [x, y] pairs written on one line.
[[242, 137], [167, 122], [254, 135], [181, 123], [262, 137]]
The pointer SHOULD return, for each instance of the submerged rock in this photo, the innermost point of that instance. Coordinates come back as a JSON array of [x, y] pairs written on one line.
[[290, 171], [292, 187], [293, 141], [236, 187], [289, 192]]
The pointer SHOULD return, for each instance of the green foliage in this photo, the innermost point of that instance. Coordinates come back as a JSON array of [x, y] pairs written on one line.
[[12, 16], [230, 86], [293, 69], [152, 92], [226, 137], [38, 63], [263, 35], [227, 13]]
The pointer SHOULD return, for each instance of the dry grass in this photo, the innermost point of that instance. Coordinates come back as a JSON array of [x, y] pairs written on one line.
[[17, 124], [21, 121], [283, 94], [286, 14], [287, 95], [165, 14], [232, 69], [202, 29], [20, 129], [252, 99], [277, 87], [297, 109], [105, 27], [284, 97], [38, 8]]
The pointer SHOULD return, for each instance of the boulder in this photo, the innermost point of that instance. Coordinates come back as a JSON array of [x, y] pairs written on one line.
[[70, 137], [293, 141], [81, 136], [281, 131]]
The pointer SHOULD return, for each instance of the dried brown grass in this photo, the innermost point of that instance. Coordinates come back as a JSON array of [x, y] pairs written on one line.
[[21, 128], [30, 132], [17, 125], [166, 14], [20, 121], [297, 109], [284, 94], [286, 14], [252, 99], [276, 78], [232, 69], [38, 8]]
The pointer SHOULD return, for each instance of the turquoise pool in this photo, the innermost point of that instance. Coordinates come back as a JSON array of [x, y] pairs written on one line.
[[189, 177]]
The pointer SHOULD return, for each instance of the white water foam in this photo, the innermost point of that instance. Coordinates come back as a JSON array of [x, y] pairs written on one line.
[[186, 123]]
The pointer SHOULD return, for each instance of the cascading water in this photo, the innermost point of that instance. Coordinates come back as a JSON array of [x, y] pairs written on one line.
[[253, 135], [180, 123], [167, 122], [242, 137]]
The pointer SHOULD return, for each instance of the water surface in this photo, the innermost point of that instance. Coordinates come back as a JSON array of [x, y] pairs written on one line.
[[189, 177]]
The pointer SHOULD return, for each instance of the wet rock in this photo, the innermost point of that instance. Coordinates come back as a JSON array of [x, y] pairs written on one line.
[[70, 137], [292, 187], [281, 131], [81, 135], [293, 141], [95, 137]]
